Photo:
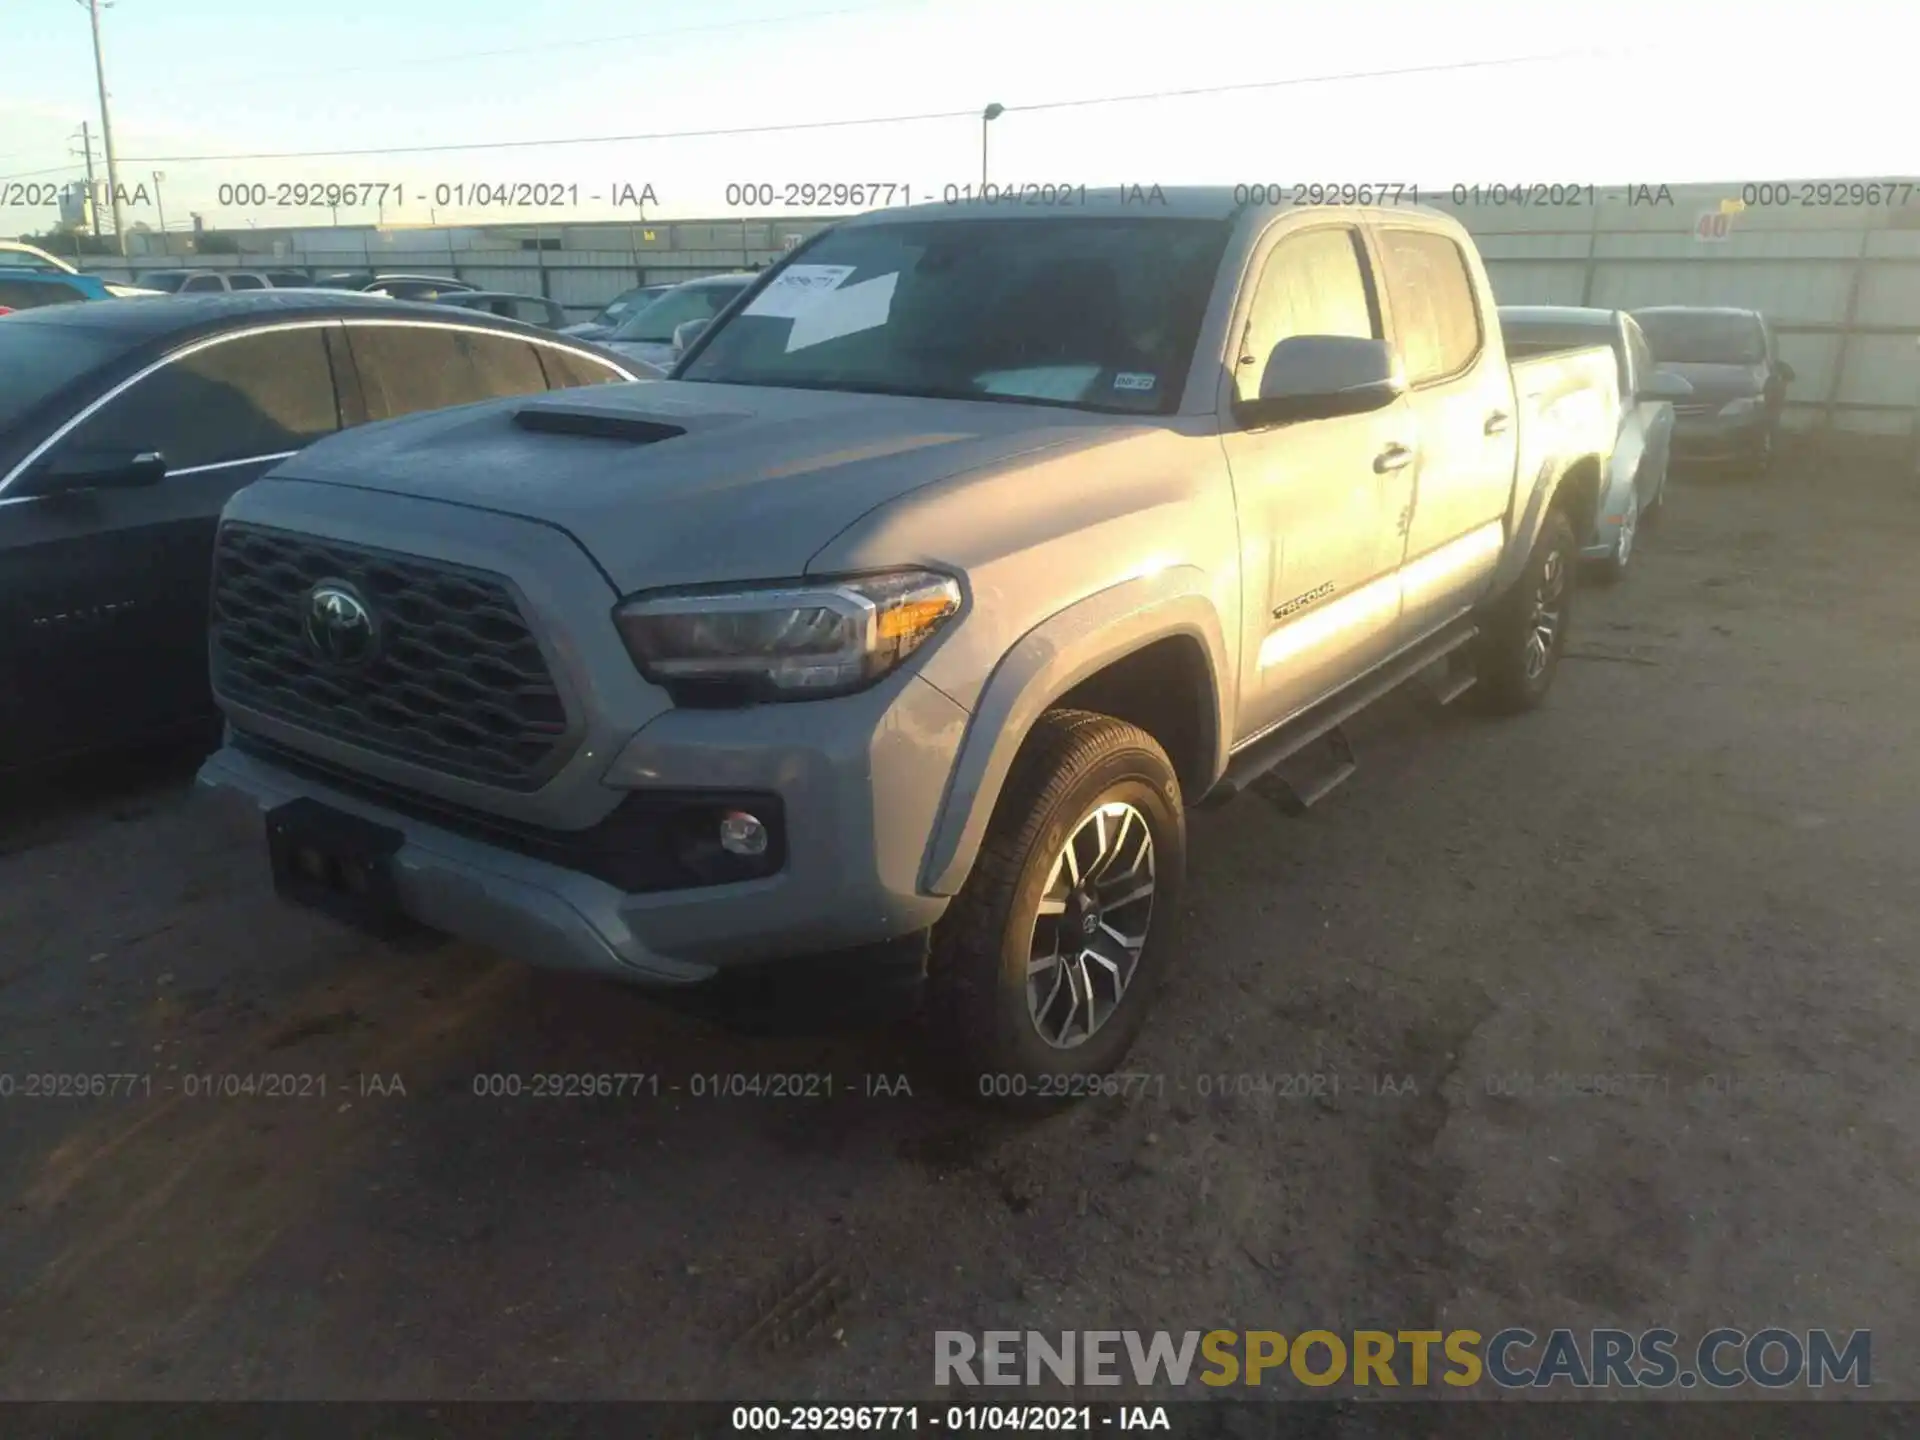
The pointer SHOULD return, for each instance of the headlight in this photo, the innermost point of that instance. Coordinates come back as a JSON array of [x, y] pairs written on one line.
[[792, 642], [1740, 409]]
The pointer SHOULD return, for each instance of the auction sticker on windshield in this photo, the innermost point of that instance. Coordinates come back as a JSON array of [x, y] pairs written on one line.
[[797, 288]]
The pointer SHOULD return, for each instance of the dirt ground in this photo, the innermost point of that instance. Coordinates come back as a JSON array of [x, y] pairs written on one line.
[[1696, 867]]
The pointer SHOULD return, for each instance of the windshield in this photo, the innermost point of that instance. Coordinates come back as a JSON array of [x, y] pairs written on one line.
[[40, 357], [1703, 339], [28, 260], [655, 323], [1098, 313], [623, 304]]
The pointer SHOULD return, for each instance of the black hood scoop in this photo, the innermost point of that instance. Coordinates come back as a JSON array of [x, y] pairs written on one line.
[[595, 423]]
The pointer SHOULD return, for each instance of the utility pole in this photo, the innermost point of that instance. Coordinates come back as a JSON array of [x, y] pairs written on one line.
[[86, 149], [106, 129], [158, 176]]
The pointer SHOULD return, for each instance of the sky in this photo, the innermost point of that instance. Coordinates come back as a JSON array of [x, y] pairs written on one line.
[[1485, 91]]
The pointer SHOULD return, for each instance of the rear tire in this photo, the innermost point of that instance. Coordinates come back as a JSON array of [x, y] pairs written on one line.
[[1525, 633], [1084, 856]]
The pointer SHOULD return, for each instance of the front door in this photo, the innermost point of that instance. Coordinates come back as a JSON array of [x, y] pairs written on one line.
[[105, 611], [1320, 501]]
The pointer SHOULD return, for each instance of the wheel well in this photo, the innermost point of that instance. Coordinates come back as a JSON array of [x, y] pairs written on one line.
[[1578, 496], [1164, 688]]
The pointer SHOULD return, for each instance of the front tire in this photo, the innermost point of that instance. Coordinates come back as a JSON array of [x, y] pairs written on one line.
[[1525, 634], [1042, 970]]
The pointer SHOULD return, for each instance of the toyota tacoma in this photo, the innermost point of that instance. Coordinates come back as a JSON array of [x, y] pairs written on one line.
[[893, 636]]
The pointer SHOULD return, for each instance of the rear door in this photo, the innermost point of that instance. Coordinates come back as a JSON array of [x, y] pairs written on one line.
[[1319, 500], [405, 367], [1461, 394], [110, 586]]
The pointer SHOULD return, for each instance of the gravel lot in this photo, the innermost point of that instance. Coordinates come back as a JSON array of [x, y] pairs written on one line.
[[1696, 866]]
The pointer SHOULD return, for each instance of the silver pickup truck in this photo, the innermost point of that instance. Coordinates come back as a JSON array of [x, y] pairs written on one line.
[[884, 646]]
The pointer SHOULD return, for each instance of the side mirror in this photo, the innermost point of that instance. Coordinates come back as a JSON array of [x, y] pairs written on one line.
[[1787, 376], [1316, 377], [684, 334], [105, 470], [1665, 385]]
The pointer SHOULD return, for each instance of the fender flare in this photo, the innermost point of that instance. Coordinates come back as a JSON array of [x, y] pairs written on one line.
[[1044, 664], [1533, 516]]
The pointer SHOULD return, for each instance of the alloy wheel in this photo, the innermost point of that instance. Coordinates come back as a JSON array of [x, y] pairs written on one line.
[[1629, 529], [1091, 925], [1543, 623]]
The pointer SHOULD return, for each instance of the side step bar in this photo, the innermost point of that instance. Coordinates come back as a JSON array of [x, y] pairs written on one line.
[[1324, 721]]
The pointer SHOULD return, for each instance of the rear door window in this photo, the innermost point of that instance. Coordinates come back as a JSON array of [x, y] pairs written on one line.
[[245, 282], [567, 368], [239, 399], [32, 294], [408, 368], [1435, 318], [198, 283]]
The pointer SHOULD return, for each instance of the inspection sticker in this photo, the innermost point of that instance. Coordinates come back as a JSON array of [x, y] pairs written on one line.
[[1134, 380]]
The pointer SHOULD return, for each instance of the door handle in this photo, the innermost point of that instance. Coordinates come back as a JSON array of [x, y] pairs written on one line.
[[1394, 457], [1497, 422]]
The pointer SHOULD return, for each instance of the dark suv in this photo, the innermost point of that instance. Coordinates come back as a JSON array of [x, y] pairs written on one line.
[[1732, 359]]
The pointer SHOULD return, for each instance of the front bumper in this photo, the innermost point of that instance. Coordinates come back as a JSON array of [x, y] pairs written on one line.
[[1709, 438], [860, 780]]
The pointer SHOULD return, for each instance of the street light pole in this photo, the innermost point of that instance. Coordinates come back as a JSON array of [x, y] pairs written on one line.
[[106, 129], [158, 176], [987, 116]]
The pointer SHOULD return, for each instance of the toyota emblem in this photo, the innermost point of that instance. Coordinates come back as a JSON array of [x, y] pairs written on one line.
[[340, 627]]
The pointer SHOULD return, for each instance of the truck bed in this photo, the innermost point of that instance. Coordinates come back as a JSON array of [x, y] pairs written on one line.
[[1569, 403]]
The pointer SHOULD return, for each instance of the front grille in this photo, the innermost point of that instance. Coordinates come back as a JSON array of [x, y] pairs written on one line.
[[457, 683], [1694, 410]]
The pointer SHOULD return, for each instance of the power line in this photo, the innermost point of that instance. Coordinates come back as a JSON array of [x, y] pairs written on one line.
[[802, 125], [50, 170]]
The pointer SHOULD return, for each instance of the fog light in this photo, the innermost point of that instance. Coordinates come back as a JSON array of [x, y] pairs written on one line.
[[742, 834]]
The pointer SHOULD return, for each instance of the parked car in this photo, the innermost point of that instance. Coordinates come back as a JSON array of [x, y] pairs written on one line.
[[203, 282], [904, 622], [528, 309], [125, 428], [415, 287], [615, 310], [1636, 482], [1732, 359], [30, 289], [647, 334], [19, 257]]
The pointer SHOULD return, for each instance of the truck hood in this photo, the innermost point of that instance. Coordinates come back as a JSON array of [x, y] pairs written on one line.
[[688, 483]]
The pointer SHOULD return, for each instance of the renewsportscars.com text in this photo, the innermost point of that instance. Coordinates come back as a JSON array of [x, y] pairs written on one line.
[[1514, 1358]]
